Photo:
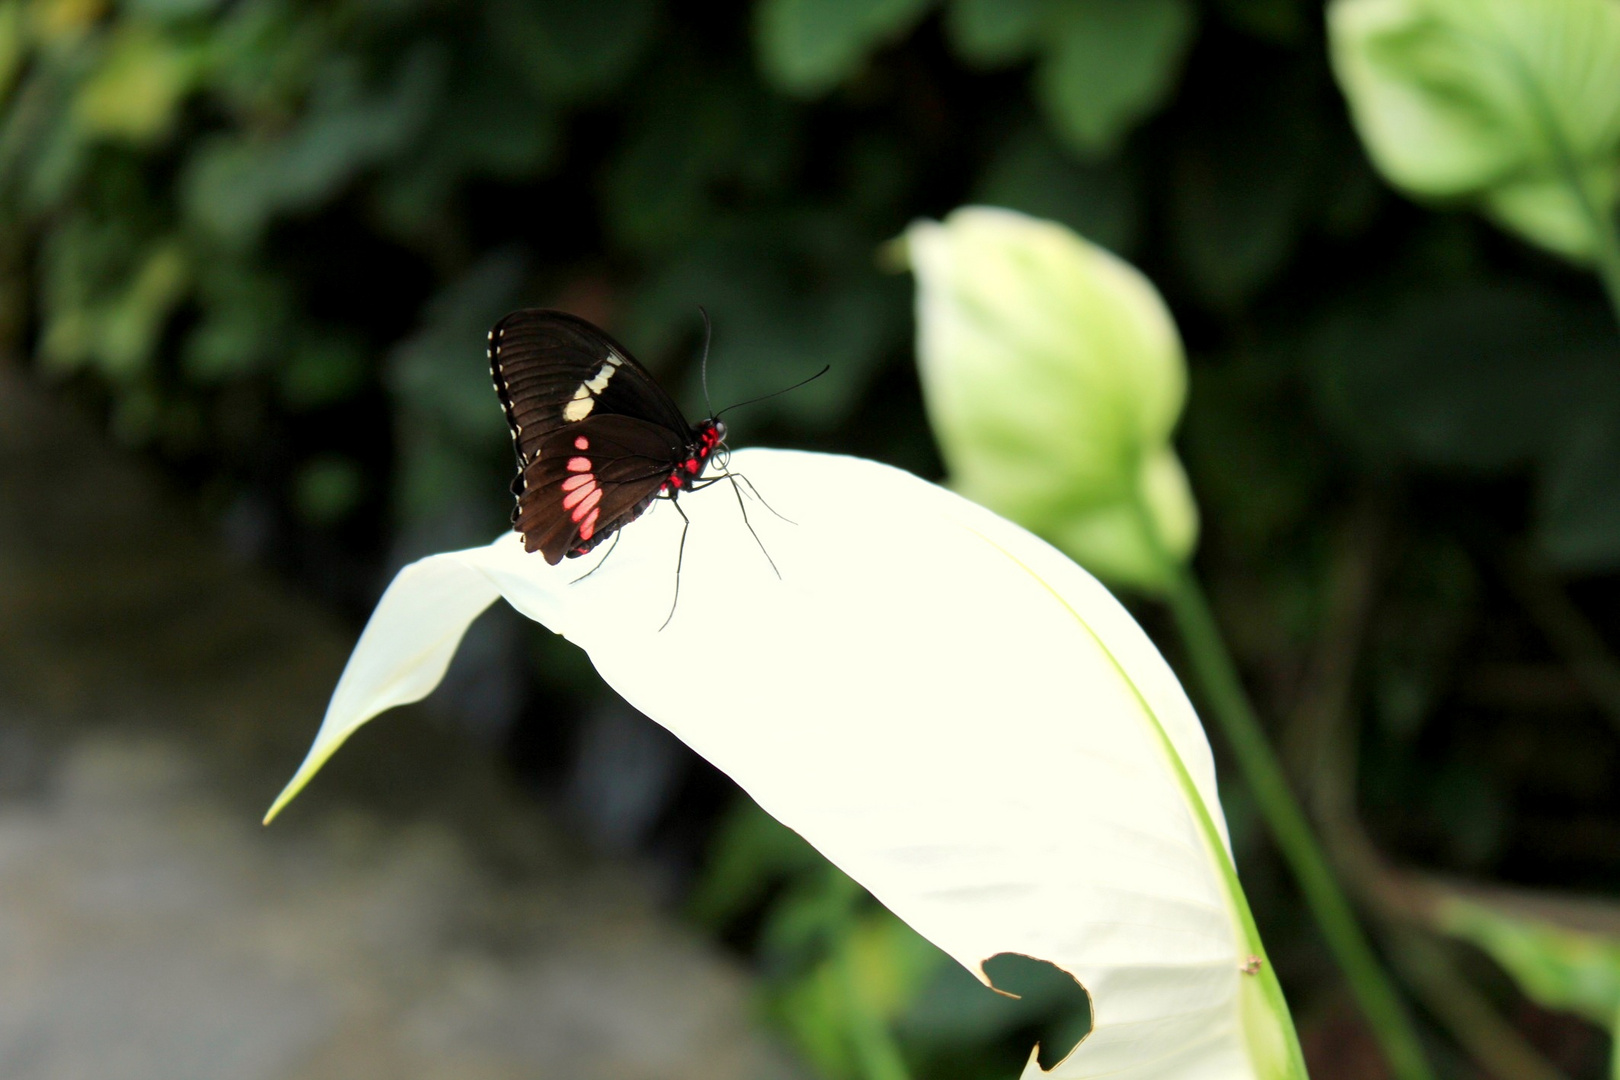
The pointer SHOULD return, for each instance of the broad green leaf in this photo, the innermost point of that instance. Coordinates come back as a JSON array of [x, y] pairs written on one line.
[[435, 371], [807, 47], [877, 966], [439, 385], [490, 125], [1108, 65], [1242, 184], [1511, 104], [1279, 21], [248, 317], [235, 184], [107, 296], [1054, 377], [964, 722], [13, 44], [132, 322], [991, 33], [1492, 378], [326, 488], [172, 9], [749, 851], [322, 367], [137, 88], [571, 48], [789, 311], [1577, 507], [1556, 961], [1030, 173], [692, 138]]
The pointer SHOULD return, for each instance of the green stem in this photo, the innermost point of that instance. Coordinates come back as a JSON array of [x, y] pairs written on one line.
[[1226, 698]]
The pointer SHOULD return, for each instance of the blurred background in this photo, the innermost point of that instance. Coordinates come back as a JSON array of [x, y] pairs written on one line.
[[249, 251]]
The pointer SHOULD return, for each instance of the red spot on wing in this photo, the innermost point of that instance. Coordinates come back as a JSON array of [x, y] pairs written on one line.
[[582, 443], [588, 526], [592, 496], [578, 480], [579, 464], [574, 498]]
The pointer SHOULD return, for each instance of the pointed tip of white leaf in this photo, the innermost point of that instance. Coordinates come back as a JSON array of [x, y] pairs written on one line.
[[404, 650]]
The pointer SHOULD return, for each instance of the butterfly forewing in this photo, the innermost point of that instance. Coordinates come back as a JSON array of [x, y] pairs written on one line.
[[552, 369]]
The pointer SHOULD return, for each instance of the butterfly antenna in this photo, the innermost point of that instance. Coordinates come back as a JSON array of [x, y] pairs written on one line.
[[776, 393], [703, 365]]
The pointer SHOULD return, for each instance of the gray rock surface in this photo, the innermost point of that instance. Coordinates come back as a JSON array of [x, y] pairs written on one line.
[[410, 917]]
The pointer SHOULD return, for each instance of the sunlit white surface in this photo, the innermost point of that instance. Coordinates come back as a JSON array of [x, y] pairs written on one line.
[[949, 709]]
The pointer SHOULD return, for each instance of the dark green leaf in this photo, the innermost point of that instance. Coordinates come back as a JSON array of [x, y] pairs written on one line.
[[750, 852], [1474, 376], [1490, 378], [327, 488], [236, 184], [807, 47], [571, 48], [1110, 64], [1578, 508], [779, 316], [1241, 187], [1030, 173], [992, 33], [440, 371]]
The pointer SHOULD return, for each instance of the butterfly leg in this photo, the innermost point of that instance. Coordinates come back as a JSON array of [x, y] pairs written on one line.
[[734, 477], [613, 543], [737, 490], [754, 491], [680, 556]]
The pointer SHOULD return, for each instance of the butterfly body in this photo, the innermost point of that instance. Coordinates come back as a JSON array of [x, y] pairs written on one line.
[[597, 439]]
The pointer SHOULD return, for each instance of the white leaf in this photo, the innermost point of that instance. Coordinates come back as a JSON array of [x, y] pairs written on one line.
[[947, 707]]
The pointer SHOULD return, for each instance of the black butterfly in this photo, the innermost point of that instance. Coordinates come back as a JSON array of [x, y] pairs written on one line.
[[597, 438]]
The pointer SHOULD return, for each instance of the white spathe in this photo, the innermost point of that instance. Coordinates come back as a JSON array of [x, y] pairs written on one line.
[[947, 707]]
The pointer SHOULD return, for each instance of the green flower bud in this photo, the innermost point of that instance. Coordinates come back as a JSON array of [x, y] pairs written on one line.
[[1511, 104], [1054, 378]]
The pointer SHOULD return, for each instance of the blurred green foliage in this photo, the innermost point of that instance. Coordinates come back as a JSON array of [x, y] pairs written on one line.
[[1560, 965], [1506, 103], [264, 238]]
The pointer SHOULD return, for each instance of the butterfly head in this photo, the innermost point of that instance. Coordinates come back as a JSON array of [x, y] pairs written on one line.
[[712, 442]]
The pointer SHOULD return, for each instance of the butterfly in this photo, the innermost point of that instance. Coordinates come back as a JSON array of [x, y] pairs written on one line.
[[597, 439]]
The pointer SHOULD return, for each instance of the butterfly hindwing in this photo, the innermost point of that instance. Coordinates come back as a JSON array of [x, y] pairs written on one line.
[[590, 478]]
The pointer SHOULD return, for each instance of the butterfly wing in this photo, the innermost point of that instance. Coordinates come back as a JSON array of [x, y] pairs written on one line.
[[553, 370], [591, 478]]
